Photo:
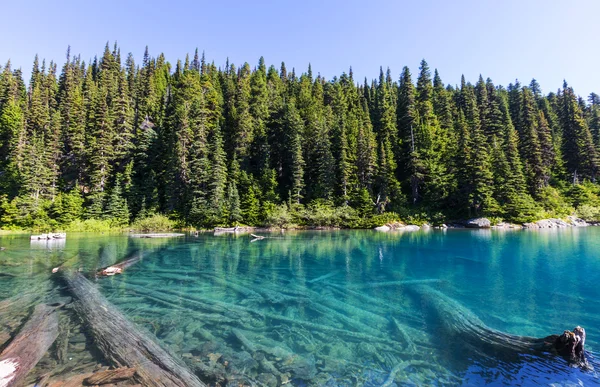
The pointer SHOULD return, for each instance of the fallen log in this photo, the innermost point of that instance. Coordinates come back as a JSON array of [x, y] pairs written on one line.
[[122, 343], [161, 235], [29, 346], [333, 273], [110, 376], [119, 267], [256, 238], [460, 326]]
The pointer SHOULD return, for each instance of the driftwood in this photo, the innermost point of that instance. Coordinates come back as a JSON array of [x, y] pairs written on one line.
[[119, 267], [122, 343], [256, 238], [28, 347], [462, 327], [161, 235]]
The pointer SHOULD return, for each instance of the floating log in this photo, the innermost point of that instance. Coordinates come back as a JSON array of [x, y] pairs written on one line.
[[231, 229], [57, 235], [29, 346], [119, 267], [256, 238], [161, 235], [122, 343], [462, 326]]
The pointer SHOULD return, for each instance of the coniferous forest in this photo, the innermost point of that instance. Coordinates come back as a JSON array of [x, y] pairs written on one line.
[[115, 142]]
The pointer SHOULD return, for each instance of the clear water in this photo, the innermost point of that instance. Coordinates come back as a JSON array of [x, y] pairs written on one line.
[[344, 308]]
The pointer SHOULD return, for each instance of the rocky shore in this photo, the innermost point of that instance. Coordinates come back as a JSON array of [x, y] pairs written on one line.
[[485, 223]]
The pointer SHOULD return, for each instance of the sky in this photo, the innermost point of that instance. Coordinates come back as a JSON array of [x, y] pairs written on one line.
[[549, 40]]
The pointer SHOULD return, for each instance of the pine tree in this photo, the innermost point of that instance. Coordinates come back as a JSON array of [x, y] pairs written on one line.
[[578, 146], [386, 184], [117, 210], [530, 144]]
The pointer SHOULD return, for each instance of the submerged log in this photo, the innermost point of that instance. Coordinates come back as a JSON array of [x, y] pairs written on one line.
[[122, 343], [119, 267], [461, 326], [29, 346], [110, 376]]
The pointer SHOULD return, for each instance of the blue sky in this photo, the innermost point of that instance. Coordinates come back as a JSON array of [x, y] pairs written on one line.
[[550, 40]]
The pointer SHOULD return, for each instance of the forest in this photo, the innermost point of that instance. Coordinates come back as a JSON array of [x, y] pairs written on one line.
[[111, 143]]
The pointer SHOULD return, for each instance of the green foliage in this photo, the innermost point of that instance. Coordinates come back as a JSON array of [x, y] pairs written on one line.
[[67, 207], [554, 203], [322, 213], [116, 209], [589, 213], [90, 225], [155, 222], [277, 215], [210, 147]]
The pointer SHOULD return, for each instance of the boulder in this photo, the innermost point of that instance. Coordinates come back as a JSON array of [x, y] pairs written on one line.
[[577, 222], [410, 227], [383, 228], [478, 223]]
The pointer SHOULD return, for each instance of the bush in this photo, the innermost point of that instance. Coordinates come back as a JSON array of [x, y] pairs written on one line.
[[90, 225], [322, 213], [554, 203], [381, 219], [589, 213], [277, 215], [156, 222], [585, 194]]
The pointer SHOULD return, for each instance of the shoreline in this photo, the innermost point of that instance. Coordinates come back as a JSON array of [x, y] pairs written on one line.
[[472, 224]]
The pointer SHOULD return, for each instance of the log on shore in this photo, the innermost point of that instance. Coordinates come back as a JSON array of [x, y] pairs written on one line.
[[122, 343], [161, 235], [29, 346]]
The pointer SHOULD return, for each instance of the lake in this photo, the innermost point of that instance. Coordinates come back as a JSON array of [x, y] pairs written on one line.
[[336, 308]]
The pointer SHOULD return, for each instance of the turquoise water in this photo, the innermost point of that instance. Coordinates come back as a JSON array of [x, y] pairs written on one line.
[[345, 308]]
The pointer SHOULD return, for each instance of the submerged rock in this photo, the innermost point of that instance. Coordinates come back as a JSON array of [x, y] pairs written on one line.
[[478, 223]]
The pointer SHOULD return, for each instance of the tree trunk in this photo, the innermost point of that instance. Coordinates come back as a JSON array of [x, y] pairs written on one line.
[[28, 347], [122, 343]]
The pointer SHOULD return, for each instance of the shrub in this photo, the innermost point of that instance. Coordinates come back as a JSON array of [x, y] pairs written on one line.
[[589, 213], [156, 222], [90, 225], [554, 203], [277, 215]]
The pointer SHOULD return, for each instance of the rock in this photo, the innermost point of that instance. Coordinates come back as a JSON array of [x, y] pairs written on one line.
[[478, 223], [443, 226], [383, 228], [268, 380], [577, 222], [411, 227], [507, 226]]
